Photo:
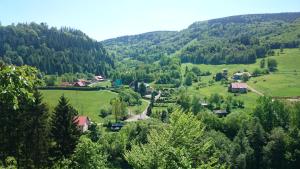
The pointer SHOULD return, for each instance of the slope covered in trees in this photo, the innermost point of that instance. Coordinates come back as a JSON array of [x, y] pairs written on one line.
[[52, 50], [235, 39]]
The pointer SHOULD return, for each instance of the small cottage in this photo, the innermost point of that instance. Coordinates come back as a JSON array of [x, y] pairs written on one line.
[[79, 84], [98, 78], [238, 88], [83, 123], [239, 75]]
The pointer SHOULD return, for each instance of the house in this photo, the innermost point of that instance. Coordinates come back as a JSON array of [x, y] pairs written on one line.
[[220, 113], [238, 88], [204, 104], [83, 123], [98, 78], [79, 84], [239, 75]]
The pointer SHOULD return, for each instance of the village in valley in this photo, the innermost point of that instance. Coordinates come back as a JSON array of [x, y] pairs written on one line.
[[162, 98], [89, 90]]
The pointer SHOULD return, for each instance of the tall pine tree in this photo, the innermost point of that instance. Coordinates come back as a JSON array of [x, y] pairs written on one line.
[[36, 132], [64, 130]]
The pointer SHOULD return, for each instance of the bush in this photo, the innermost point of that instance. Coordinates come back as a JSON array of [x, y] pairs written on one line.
[[104, 113]]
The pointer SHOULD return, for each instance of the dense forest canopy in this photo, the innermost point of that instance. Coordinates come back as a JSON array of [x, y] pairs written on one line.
[[52, 50], [236, 39]]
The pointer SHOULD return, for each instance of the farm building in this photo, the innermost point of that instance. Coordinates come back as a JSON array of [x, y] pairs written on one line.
[[79, 84], [98, 78], [239, 75], [83, 123], [238, 87]]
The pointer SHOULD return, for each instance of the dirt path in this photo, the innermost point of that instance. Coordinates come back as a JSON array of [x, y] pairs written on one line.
[[143, 115], [255, 91]]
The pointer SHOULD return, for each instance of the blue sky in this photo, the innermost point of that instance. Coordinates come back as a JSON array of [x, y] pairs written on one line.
[[103, 19]]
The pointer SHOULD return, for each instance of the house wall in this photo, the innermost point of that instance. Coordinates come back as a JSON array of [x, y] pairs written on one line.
[[85, 127], [240, 90]]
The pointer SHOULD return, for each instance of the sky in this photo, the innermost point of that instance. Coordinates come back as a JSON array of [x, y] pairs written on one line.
[[104, 19]]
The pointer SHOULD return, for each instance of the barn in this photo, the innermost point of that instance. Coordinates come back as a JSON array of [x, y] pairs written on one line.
[[238, 88]]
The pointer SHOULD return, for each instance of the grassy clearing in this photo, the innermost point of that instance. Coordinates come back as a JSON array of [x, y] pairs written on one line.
[[106, 83], [284, 82], [86, 102]]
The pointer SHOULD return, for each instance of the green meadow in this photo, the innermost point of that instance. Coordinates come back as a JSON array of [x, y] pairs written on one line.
[[284, 82], [87, 103]]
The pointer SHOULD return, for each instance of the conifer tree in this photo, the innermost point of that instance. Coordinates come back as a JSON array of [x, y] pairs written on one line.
[[37, 132], [64, 130]]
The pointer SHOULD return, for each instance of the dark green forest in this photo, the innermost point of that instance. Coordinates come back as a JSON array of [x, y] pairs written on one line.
[[52, 50]]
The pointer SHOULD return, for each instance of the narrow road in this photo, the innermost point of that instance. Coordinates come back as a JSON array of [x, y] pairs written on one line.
[[255, 91], [143, 115]]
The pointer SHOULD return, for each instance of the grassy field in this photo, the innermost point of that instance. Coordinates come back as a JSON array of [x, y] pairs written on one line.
[[106, 83], [284, 82], [86, 102]]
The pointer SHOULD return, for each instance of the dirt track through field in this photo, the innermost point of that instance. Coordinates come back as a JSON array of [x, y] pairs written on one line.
[[255, 91]]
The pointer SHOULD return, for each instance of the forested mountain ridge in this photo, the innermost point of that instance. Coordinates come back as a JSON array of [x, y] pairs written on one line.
[[150, 45], [235, 39], [52, 50]]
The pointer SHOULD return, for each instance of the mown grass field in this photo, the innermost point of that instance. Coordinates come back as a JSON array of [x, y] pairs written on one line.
[[106, 83], [284, 82], [87, 103]]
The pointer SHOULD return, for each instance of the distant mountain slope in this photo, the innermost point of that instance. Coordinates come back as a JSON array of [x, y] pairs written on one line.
[[235, 39], [52, 50]]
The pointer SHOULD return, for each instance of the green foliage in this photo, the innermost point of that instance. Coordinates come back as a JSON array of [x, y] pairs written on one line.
[[219, 76], [64, 129], [189, 79], [272, 113], [184, 100], [142, 89], [24, 127], [196, 105], [11, 163], [17, 83], [257, 139], [245, 77], [180, 145], [53, 50], [275, 150], [118, 109], [295, 116], [130, 97], [230, 40], [242, 153], [272, 65], [88, 155], [262, 63]]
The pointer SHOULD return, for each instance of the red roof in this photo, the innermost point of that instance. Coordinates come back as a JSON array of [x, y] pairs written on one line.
[[239, 85], [82, 120]]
